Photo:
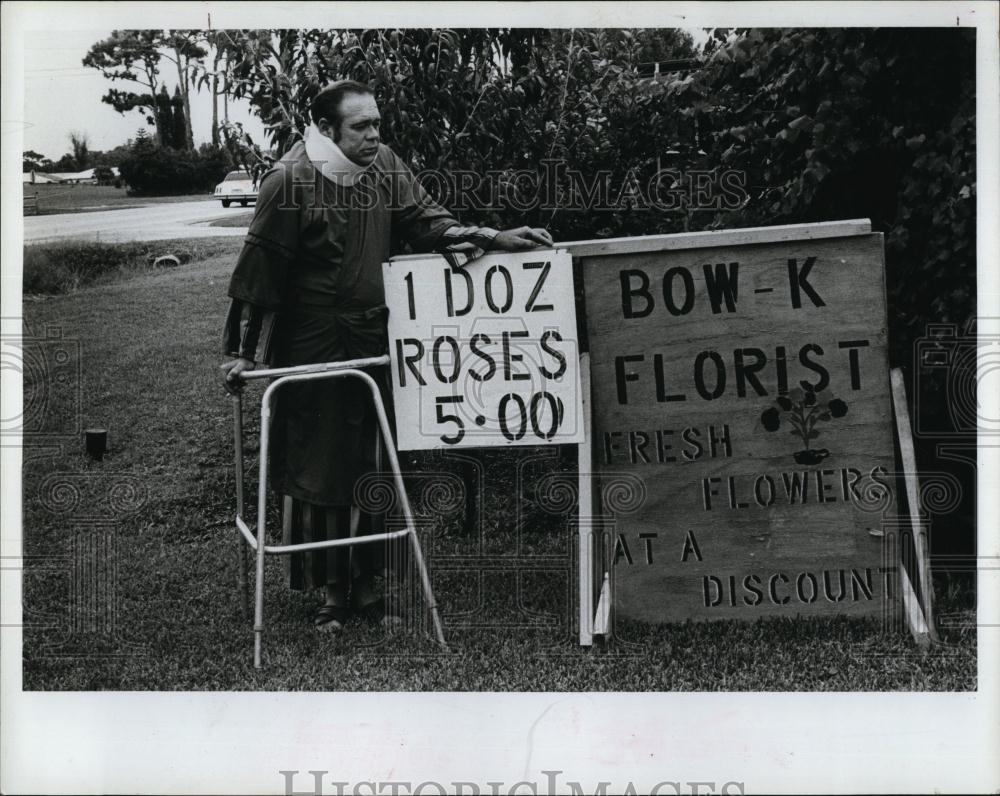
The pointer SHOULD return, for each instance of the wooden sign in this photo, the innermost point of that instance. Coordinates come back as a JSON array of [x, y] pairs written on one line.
[[742, 423], [485, 355]]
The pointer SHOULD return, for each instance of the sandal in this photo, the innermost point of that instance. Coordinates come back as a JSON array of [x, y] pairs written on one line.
[[331, 618]]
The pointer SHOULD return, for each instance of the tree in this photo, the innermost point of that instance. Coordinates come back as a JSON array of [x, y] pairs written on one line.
[[847, 123], [217, 40], [113, 157], [34, 161], [215, 98], [81, 149], [475, 101], [67, 163], [134, 56], [104, 175], [141, 142], [165, 117], [656, 45], [184, 49], [181, 126], [130, 56]]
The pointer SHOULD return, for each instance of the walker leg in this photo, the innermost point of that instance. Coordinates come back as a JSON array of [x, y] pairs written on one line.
[[244, 582], [241, 558], [390, 452], [258, 610], [425, 584]]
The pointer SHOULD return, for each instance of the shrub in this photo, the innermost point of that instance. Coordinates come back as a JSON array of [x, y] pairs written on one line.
[[150, 170], [104, 175]]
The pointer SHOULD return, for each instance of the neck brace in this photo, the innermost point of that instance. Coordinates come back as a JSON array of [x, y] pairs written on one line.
[[328, 158]]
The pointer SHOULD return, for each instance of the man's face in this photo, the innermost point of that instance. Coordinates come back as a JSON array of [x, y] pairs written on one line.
[[358, 135]]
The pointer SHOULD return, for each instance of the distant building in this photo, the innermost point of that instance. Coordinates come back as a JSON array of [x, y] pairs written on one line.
[[38, 178], [85, 177]]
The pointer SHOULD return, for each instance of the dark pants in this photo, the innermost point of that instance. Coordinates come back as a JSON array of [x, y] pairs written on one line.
[[323, 442]]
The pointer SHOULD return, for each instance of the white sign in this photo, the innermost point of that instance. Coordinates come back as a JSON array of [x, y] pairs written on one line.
[[485, 355]]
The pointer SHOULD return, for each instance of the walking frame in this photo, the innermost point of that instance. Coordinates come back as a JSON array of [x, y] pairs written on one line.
[[283, 376]]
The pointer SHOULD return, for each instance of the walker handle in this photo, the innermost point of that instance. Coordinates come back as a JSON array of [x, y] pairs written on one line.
[[319, 367]]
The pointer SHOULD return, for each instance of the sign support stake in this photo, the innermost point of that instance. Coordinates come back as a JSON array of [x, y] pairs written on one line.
[[913, 498], [913, 612], [602, 621], [585, 511]]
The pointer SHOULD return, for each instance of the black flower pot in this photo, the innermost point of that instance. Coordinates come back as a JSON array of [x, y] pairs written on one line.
[[811, 457]]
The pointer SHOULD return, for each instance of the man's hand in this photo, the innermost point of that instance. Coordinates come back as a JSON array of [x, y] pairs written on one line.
[[515, 240], [231, 371]]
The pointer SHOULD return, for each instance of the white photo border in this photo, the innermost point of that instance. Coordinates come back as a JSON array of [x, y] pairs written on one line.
[[192, 742]]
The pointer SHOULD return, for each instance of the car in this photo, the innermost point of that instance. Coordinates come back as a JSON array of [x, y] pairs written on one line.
[[238, 186]]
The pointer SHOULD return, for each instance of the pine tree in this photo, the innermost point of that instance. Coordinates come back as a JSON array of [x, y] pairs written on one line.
[[179, 129], [165, 117]]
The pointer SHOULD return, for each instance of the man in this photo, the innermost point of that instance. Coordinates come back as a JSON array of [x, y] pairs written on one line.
[[307, 288]]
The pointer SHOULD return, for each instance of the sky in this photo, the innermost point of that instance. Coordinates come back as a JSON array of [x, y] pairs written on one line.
[[61, 95]]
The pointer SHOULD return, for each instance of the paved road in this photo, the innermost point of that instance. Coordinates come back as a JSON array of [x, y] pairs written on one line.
[[152, 222]]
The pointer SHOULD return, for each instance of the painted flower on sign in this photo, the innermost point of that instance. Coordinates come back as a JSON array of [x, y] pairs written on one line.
[[803, 410]]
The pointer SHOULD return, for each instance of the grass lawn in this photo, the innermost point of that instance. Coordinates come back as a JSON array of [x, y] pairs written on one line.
[[130, 563], [89, 198]]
